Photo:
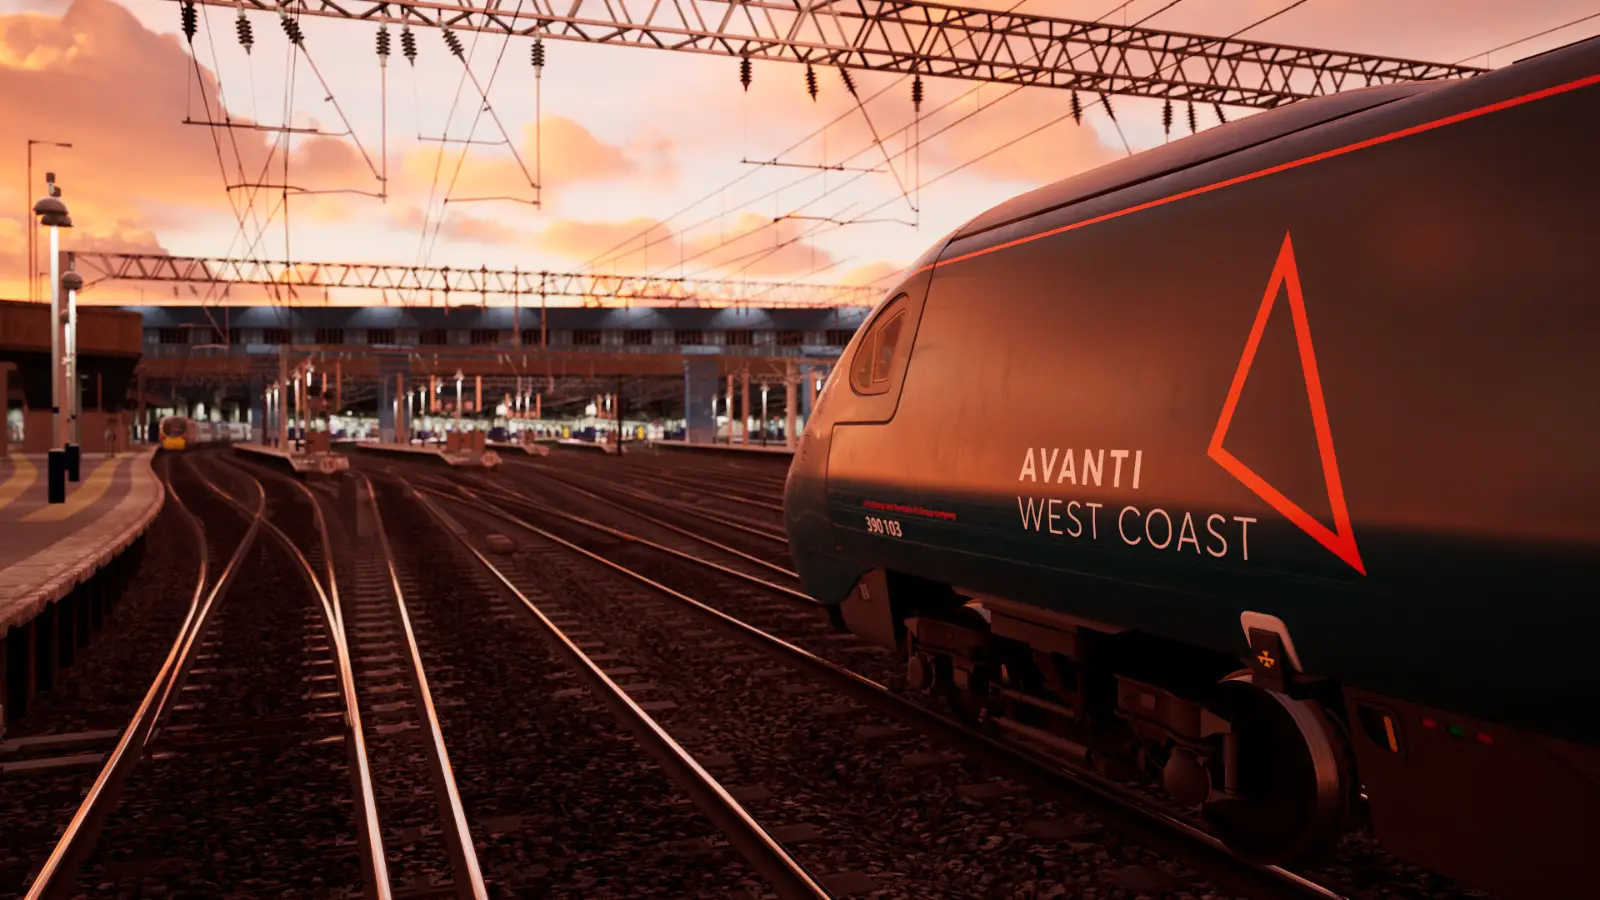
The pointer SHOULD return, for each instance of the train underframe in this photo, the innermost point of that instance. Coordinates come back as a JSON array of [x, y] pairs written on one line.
[[1279, 763]]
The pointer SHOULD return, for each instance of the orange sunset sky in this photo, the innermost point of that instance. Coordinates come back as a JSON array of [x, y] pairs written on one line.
[[629, 137]]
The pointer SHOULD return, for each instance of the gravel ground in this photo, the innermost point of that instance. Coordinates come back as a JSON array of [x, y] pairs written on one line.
[[247, 792], [99, 692], [562, 802], [556, 486], [1360, 866], [713, 493], [867, 804]]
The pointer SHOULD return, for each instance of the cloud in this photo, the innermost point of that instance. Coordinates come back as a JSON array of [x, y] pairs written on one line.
[[880, 274], [566, 153], [96, 78], [748, 246], [458, 225]]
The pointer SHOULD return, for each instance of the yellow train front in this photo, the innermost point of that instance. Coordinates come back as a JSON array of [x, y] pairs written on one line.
[[177, 433]]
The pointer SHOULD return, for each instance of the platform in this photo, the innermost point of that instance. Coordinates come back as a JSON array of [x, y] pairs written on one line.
[[47, 549], [516, 447], [769, 450], [489, 459], [593, 446], [302, 463]]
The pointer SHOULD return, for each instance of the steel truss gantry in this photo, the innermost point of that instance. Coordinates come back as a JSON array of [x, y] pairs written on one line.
[[915, 36], [470, 285]]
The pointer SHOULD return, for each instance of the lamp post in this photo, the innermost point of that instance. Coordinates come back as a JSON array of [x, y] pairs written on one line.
[[71, 283], [53, 212], [459, 378], [33, 249]]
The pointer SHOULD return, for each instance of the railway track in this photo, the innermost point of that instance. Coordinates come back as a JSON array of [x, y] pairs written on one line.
[[764, 540], [1001, 766], [224, 775], [426, 847], [563, 801], [1359, 869]]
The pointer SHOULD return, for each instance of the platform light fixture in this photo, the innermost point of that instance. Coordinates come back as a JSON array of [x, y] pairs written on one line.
[[52, 212], [72, 283]]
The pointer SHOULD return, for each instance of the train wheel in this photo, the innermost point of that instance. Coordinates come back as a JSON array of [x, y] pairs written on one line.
[[1288, 775]]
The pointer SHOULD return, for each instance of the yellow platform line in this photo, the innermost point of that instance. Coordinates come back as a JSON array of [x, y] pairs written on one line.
[[87, 494], [22, 478]]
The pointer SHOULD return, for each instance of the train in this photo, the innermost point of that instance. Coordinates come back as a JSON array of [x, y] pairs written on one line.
[[183, 433], [1260, 468]]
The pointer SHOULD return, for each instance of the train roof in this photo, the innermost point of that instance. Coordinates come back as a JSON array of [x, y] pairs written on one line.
[[1211, 144]]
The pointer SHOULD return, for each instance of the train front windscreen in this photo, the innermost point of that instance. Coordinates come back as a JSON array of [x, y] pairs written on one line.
[[173, 428]]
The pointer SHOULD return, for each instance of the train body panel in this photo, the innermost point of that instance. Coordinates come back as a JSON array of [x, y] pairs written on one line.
[[1341, 374]]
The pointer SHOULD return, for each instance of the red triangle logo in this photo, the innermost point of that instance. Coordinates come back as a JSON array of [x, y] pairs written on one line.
[[1341, 541]]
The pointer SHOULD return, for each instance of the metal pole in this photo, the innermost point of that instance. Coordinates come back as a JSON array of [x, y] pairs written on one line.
[[57, 437], [283, 401], [744, 405], [791, 384], [33, 233], [74, 390], [729, 407]]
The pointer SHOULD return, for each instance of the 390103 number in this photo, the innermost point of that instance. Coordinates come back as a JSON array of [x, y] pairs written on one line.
[[888, 527]]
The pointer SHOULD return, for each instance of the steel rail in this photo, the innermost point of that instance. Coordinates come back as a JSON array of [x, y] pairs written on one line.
[[372, 845], [788, 592], [59, 874], [464, 855], [786, 875], [1109, 801], [681, 507], [750, 499], [774, 567]]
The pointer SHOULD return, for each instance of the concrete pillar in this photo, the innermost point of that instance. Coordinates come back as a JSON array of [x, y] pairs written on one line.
[[258, 409], [699, 391], [744, 406], [388, 394], [808, 390], [791, 383]]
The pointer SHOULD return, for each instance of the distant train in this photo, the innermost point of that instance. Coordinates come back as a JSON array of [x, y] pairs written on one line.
[[181, 432], [1080, 469]]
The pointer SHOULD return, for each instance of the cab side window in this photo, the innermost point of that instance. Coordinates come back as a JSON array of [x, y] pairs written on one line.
[[874, 360]]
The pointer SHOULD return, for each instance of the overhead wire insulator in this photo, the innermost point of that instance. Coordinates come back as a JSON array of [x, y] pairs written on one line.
[[916, 92], [849, 83], [811, 82], [189, 22], [290, 27], [538, 53], [408, 44], [745, 72], [247, 38], [1105, 100], [1220, 116], [1077, 109], [1194, 122], [453, 42], [1166, 117], [383, 42]]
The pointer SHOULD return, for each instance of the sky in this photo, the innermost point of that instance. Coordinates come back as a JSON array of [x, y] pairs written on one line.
[[624, 140]]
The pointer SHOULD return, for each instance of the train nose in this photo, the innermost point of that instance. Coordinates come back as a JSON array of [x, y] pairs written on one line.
[[806, 519]]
